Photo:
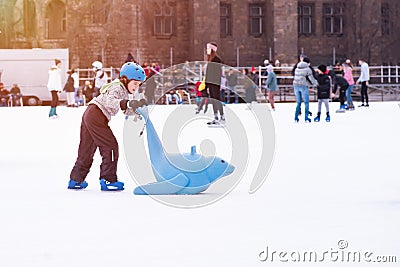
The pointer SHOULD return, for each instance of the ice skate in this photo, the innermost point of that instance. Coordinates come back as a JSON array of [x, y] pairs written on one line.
[[107, 186], [317, 119], [328, 117], [76, 185], [222, 120], [341, 110]]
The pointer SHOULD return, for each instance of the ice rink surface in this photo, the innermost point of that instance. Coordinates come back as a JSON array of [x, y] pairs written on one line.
[[329, 182]]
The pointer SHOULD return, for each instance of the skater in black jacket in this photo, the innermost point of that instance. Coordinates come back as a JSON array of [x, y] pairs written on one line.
[[213, 82], [323, 91], [339, 81]]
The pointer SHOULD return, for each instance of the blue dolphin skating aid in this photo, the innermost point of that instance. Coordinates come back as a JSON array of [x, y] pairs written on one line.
[[188, 173]]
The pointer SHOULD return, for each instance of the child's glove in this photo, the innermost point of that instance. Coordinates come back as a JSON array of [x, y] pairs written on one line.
[[134, 104]]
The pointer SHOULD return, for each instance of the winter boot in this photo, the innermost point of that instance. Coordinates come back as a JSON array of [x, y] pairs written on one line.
[[215, 121], [107, 186], [328, 118], [341, 110], [222, 120], [316, 119], [52, 112], [75, 185]]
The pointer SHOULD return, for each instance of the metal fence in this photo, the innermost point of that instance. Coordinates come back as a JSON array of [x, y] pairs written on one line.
[[384, 81]]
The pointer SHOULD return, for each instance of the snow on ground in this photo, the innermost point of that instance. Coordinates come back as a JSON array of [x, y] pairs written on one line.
[[329, 182]]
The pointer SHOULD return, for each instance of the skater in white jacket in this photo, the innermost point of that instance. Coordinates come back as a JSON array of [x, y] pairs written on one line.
[[54, 85]]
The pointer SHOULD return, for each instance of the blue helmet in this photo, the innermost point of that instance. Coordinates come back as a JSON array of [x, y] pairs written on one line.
[[132, 71]]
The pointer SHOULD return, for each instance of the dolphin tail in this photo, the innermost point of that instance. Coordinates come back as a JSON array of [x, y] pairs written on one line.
[[168, 187]]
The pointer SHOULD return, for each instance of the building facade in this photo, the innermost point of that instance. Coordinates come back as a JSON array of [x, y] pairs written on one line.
[[174, 31]]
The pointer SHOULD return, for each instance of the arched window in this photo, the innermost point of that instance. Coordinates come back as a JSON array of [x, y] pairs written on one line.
[[56, 20], [163, 20], [29, 18]]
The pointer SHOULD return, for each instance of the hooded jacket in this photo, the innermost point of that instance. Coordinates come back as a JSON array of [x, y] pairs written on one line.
[[303, 76]]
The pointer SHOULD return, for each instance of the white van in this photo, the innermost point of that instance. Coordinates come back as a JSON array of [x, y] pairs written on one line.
[[29, 69]]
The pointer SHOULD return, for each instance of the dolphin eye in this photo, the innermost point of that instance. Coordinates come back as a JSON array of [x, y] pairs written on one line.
[[223, 161]]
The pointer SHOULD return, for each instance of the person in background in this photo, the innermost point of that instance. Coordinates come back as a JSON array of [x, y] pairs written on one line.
[[15, 94], [323, 91], [300, 59], [54, 86], [4, 95], [75, 77], [266, 63], [212, 82], [278, 70], [173, 94], [87, 91], [100, 77], [338, 68], [303, 79], [364, 80], [249, 86], [272, 85], [130, 58], [348, 75], [232, 79], [70, 90], [339, 81], [150, 88]]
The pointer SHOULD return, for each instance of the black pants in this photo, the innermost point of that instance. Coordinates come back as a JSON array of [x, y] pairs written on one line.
[[95, 133], [54, 99], [214, 90], [342, 95], [364, 92]]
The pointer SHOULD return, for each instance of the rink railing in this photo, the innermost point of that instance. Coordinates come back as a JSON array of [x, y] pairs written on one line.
[[378, 74], [384, 81]]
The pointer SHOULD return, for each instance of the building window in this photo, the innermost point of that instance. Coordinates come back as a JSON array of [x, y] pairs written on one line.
[[225, 20], [333, 18], [385, 19], [29, 18], [64, 22], [55, 20], [306, 19], [163, 26], [98, 12], [256, 20]]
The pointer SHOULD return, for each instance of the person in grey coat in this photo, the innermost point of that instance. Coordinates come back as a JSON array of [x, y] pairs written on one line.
[[303, 79]]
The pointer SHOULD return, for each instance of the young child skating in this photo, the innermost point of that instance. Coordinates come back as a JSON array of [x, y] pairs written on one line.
[[323, 91], [95, 132]]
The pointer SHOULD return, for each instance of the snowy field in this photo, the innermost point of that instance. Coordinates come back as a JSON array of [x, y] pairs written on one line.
[[330, 184]]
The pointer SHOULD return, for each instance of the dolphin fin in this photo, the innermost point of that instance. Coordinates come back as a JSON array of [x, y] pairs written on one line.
[[167, 187], [193, 150]]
